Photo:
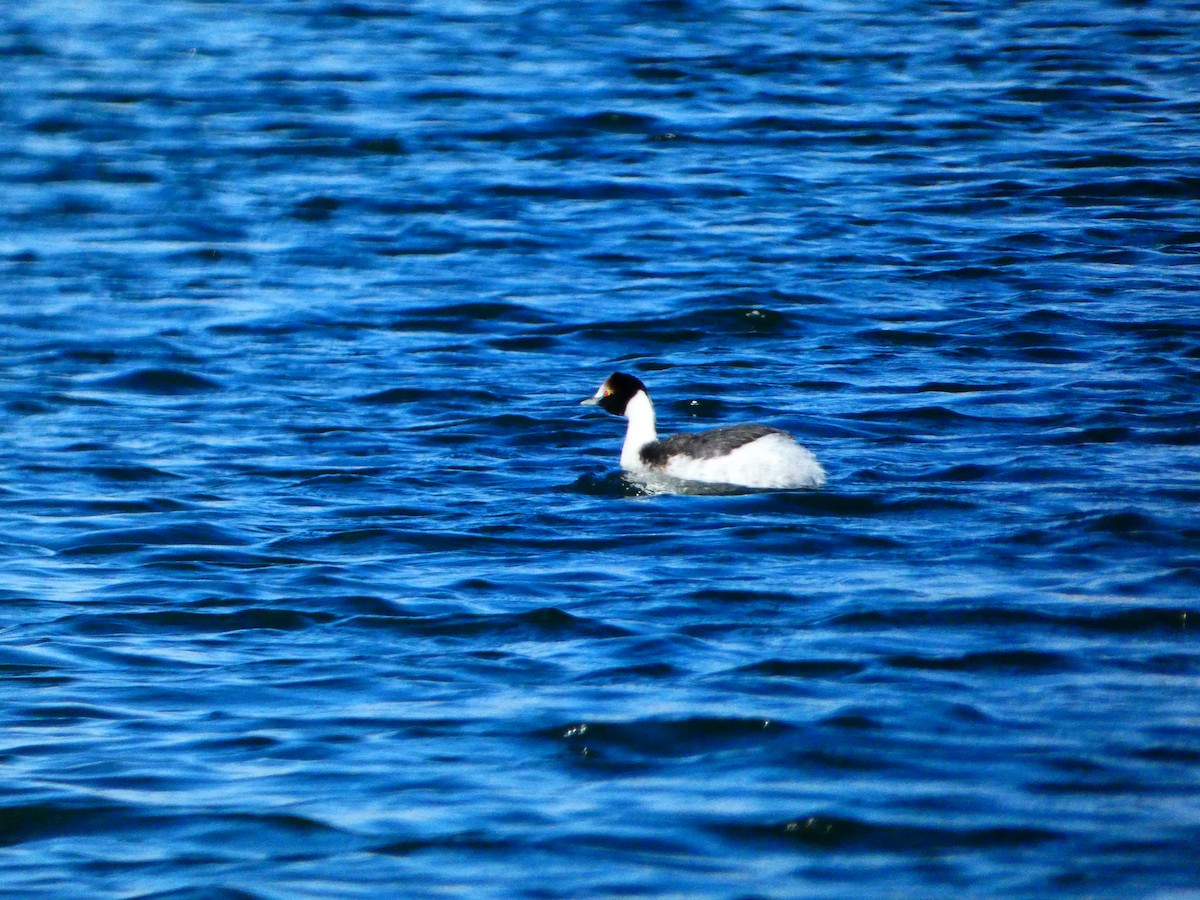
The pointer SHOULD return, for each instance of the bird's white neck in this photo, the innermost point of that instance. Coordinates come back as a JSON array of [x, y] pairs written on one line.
[[641, 431]]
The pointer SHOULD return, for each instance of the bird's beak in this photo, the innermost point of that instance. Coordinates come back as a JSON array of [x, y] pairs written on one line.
[[590, 401]]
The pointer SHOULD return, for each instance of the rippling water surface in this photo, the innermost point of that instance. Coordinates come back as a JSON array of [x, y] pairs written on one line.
[[316, 580]]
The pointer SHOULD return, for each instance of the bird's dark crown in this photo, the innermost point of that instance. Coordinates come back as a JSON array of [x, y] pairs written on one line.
[[617, 391]]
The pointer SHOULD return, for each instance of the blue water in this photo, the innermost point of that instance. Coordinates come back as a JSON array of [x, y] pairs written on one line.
[[316, 581]]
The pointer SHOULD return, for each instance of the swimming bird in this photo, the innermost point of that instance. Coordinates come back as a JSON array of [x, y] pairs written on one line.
[[754, 456]]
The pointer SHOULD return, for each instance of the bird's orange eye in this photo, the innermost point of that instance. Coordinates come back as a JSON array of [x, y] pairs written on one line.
[[608, 393]]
